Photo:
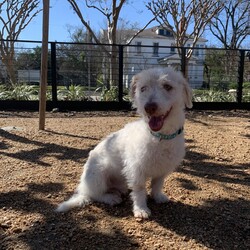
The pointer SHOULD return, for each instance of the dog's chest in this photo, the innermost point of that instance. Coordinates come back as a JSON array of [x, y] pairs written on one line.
[[138, 149], [162, 158]]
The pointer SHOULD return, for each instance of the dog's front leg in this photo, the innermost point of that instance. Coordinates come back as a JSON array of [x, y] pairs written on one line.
[[156, 190], [139, 198]]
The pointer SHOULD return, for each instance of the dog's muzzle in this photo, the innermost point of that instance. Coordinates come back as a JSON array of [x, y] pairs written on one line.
[[155, 121]]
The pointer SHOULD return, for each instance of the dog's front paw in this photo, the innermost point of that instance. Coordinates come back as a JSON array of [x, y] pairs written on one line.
[[160, 198], [142, 213]]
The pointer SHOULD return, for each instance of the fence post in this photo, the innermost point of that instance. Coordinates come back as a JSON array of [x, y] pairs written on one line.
[[120, 84], [183, 61], [53, 72], [240, 75]]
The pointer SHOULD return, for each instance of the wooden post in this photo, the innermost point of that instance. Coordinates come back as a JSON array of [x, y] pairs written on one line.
[[44, 65]]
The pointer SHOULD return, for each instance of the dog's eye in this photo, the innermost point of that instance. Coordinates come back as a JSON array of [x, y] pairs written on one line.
[[167, 87], [144, 88]]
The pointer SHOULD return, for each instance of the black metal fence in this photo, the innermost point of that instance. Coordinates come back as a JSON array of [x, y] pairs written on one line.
[[84, 76]]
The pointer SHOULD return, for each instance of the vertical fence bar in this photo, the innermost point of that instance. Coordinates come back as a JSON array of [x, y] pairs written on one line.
[[240, 75], [53, 72], [183, 61], [120, 84]]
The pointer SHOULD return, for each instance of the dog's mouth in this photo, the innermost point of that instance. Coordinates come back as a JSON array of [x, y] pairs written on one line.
[[156, 122]]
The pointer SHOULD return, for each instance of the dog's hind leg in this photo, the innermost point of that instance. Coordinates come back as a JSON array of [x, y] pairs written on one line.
[[98, 189], [91, 186], [95, 182]]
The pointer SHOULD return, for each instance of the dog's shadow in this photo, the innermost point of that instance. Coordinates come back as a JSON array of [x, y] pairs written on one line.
[[51, 230], [218, 224]]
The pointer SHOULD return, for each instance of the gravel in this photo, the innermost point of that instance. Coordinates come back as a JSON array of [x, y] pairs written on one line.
[[210, 199]]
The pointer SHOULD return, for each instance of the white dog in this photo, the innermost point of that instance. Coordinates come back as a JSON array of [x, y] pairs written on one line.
[[150, 148]]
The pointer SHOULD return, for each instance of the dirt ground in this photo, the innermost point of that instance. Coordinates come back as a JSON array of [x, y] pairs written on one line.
[[210, 197]]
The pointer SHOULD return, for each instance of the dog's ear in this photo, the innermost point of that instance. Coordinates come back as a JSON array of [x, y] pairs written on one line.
[[133, 87], [187, 94]]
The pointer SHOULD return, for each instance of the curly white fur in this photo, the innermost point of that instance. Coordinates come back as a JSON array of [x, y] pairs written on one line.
[[128, 158]]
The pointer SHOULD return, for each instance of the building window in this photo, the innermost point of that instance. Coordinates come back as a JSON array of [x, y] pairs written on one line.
[[138, 48], [164, 32], [155, 49], [161, 32], [168, 33]]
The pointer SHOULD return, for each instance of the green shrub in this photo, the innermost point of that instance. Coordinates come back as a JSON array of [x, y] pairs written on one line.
[[233, 85], [20, 92], [246, 95], [108, 94], [72, 93], [213, 96], [246, 85]]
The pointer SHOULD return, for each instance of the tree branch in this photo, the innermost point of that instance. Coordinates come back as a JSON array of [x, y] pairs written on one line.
[[235, 29], [84, 22]]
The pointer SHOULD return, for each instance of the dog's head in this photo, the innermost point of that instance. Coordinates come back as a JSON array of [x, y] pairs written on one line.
[[158, 94]]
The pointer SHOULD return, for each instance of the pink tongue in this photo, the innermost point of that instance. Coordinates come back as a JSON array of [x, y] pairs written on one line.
[[156, 123]]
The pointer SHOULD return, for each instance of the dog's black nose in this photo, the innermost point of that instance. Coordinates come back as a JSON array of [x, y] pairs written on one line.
[[150, 108]]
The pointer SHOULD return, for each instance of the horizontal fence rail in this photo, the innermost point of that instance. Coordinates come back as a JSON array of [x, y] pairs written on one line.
[[86, 76]]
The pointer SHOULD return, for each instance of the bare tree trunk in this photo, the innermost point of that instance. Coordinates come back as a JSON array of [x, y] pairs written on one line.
[[111, 14], [12, 74], [15, 16], [231, 27], [8, 61], [114, 66], [196, 13]]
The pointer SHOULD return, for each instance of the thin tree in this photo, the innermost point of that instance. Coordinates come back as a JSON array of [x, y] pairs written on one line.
[[15, 16], [187, 19], [110, 10], [232, 25]]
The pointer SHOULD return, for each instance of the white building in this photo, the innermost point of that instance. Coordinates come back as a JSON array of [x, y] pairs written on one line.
[[156, 47], [30, 76]]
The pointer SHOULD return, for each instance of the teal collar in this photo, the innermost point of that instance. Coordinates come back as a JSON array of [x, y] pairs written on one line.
[[161, 136]]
